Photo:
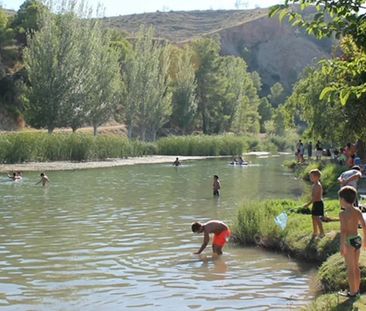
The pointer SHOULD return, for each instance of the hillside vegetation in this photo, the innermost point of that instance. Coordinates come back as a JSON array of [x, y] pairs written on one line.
[[275, 50]]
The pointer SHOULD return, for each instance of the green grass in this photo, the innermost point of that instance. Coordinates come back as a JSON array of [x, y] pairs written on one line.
[[41, 147], [334, 302], [330, 173], [255, 225]]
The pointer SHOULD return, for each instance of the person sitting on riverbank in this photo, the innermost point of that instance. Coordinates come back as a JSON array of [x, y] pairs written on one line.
[[176, 162], [317, 211], [216, 186], [44, 180], [221, 233], [351, 241]]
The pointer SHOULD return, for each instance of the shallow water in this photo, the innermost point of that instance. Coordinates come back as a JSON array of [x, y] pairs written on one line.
[[119, 238]]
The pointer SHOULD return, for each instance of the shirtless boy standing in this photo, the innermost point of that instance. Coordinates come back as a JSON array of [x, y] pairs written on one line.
[[351, 241], [44, 180], [317, 210], [221, 233]]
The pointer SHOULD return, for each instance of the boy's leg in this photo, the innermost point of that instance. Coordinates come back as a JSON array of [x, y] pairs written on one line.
[[320, 226], [315, 227], [357, 271], [217, 249], [350, 264]]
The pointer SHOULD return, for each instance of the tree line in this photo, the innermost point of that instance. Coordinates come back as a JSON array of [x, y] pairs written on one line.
[[79, 73]]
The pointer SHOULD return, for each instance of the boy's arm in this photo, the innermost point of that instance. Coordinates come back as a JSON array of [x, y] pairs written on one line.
[[343, 235], [206, 239]]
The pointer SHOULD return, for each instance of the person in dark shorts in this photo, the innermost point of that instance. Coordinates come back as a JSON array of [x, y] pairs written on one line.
[[317, 210], [216, 186]]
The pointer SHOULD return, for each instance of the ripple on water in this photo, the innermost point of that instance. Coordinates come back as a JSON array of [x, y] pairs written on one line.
[[122, 240]]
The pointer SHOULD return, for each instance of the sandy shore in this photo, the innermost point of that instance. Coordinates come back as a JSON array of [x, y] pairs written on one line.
[[62, 166]]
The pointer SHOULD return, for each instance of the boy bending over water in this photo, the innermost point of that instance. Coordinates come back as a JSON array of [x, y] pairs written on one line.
[[351, 241], [44, 180], [221, 233], [317, 210]]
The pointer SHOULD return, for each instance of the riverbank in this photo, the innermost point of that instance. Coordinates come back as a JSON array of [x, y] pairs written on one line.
[[66, 166], [255, 225]]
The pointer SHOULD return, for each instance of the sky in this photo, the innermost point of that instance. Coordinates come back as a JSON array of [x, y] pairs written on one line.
[[124, 7]]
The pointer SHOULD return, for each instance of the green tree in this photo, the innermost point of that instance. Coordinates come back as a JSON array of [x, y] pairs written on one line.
[[343, 19], [184, 91], [103, 97], [265, 110], [148, 100], [210, 83], [276, 97], [63, 63], [28, 18], [240, 100]]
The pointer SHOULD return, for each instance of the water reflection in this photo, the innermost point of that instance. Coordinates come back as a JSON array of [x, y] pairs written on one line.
[[120, 238]]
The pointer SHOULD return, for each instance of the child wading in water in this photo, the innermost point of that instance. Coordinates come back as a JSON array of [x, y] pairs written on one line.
[[44, 180], [221, 234], [351, 241], [216, 186], [317, 210]]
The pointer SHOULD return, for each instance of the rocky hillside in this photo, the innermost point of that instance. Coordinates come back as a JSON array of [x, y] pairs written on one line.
[[276, 50]]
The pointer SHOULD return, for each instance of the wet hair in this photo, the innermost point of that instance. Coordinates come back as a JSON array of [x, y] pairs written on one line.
[[215, 176], [348, 194], [196, 226], [42, 174], [356, 167], [315, 172], [14, 174]]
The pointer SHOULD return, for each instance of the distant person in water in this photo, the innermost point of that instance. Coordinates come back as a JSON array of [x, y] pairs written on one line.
[[15, 176], [351, 241], [216, 186], [241, 161], [317, 210], [221, 234], [176, 162], [44, 180]]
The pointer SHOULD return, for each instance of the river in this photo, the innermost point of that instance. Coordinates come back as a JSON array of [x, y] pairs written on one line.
[[119, 238]]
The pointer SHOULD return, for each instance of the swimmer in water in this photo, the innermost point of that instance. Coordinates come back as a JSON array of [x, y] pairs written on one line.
[[176, 162], [44, 180], [15, 176], [221, 234]]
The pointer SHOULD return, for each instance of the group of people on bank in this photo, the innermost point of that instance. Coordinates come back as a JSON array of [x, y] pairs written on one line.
[[351, 219]]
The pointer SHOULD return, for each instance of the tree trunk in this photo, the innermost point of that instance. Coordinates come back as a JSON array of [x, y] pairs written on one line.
[[129, 131], [361, 149], [74, 129], [95, 127], [50, 130]]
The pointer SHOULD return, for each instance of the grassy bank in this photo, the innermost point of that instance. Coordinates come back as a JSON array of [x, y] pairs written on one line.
[[255, 225], [41, 147], [330, 173]]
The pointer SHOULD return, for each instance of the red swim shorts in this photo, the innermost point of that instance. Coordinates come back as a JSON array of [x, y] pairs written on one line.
[[220, 239]]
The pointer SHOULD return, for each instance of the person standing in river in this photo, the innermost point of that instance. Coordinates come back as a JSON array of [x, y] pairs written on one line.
[[44, 180], [216, 186]]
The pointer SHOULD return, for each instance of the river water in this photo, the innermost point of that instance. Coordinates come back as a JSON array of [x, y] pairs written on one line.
[[119, 238]]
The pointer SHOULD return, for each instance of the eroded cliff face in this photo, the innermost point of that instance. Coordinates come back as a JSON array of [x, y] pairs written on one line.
[[278, 52]]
